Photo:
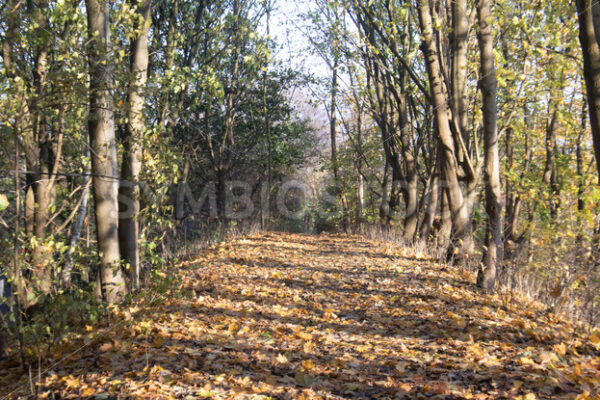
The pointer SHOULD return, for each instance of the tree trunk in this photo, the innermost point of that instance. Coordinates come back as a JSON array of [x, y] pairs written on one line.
[[459, 101], [267, 117], [493, 196], [359, 162], [579, 159], [169, 60], [445, 231], [550, 173], [411, 191], [333, 137], [41, 158], [588, 11], [432, 203], [67, 271], [384, 206], [129, 192], [439, 96], [104, 153]]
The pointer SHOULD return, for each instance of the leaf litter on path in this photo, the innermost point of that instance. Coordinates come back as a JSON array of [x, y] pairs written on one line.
[[287, 316]]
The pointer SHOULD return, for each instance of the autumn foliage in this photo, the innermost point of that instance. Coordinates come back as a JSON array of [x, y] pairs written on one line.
[[317, 317]]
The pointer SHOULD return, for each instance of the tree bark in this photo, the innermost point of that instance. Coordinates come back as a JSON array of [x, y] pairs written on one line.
[[104, 153], [333, 137], [129, 192], [458, 83], [493, 196], [67, 271], [588, 11], [40, 157], [439, 96], [267, 117], [432, 203], [410, 185], [384, 211], [359, 162], [550, 173]]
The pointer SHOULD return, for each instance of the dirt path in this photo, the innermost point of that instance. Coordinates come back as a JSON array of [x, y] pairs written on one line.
[[296, 316]]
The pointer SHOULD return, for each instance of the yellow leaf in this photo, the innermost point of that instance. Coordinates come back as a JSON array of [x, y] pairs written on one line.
[[595, 339], [305, 336], [460, 322], [190, 378], [282, 359], [157, 342], [526, 360], [233, 328], [3, 202], [561, 349], [72, 383], [308, 365]]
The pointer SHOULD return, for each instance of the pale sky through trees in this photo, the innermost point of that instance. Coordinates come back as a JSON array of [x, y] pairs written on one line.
[[289, 32]]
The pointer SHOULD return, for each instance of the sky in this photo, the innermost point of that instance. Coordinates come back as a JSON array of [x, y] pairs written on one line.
[[288, 30]]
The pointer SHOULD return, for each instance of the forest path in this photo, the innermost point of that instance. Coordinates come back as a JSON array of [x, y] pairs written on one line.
[[287, 316]]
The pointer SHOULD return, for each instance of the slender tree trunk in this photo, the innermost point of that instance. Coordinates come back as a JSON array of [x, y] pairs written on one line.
[[267, 117], [221, 187], [459, 104], [333, 120], [550, 176], [104, 153], [225, 150], [579, 159], [410, 189], [360, 186], [493, 195], [580, 249], [449, 166], [67, 271], [432, 204], [458, 83], [129, 191], [588, 12], [384, 206], [41, 157], [169, 59], [333, 138]]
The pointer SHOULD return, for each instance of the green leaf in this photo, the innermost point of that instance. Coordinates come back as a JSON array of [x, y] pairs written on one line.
[[3, 202]]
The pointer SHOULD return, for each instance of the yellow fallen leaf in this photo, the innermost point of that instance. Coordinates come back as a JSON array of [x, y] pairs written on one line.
[[282, 359], [308, 365], [157, 342], [189, 378], [458, 320], [560, 349], [526, 361], [233, 327]]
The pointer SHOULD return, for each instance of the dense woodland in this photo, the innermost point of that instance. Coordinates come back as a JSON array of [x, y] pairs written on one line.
[[133, 132]]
